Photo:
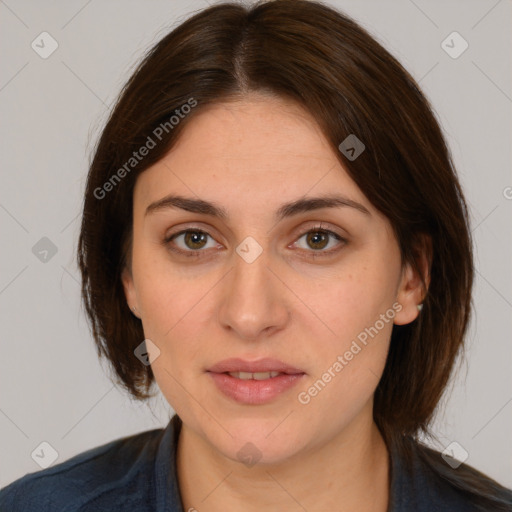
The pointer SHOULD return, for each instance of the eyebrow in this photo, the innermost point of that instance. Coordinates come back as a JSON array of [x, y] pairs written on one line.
[[286, 210]]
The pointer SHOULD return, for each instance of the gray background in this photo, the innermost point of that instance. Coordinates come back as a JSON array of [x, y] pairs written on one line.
[[52, 387]]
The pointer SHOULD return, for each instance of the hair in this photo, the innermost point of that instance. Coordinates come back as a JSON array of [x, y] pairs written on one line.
[[308, 53]]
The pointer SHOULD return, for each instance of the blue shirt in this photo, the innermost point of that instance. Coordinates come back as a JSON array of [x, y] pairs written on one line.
[[138, 473]]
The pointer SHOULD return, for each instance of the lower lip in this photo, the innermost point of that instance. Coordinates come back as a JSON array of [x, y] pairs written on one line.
[[254, 392]]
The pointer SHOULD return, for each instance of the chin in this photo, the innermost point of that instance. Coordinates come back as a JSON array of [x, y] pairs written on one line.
[[258, 440]]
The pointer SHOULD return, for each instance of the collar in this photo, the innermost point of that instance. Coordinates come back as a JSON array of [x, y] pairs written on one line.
[[168, 498]]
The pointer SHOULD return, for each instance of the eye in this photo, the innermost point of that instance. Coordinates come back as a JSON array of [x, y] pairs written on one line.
[[193, 239], [318, 239]]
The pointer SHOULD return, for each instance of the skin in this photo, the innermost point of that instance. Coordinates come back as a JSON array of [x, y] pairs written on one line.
[[251, 156]]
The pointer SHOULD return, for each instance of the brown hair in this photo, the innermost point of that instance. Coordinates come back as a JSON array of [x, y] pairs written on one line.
[[309, 53]]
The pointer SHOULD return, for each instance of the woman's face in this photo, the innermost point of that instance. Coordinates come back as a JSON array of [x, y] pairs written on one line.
[[261, 282]]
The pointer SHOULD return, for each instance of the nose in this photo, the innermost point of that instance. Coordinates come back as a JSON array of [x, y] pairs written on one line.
[[254, 302]]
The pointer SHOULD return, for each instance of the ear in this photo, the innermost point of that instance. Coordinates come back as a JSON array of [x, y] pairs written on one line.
[[411, 291], [129, 288]]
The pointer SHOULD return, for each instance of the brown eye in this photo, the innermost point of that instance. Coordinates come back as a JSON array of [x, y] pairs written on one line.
[[316, 240], [189, 242], [195, 239]]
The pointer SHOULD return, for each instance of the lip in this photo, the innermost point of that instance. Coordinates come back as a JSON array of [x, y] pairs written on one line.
[[254, 392]]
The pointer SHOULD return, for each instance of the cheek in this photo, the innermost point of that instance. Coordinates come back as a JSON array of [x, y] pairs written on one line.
[[354, 320], [174, 318], [176, 308], [347, 365], [350, 299]]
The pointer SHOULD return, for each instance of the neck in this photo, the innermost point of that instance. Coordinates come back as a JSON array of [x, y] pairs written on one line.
[[349, 473]]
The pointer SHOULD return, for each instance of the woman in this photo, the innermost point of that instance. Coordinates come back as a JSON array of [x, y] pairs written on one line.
[[274, 232]]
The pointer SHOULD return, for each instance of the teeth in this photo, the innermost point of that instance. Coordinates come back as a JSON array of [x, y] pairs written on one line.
[[255, 376]]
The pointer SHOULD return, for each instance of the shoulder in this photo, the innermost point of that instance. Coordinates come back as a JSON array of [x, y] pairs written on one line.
[[424, 481], [114, 474]]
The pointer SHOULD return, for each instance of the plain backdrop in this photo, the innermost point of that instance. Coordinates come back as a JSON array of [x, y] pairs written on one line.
[[52, 387]]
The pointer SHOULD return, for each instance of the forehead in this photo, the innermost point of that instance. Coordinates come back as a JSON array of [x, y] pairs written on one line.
[[257, 127], [259, 150]]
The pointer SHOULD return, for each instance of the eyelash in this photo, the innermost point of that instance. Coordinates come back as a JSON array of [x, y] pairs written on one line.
[[197, 253]]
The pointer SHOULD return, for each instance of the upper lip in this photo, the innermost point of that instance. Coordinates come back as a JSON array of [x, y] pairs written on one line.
[[261, 365]]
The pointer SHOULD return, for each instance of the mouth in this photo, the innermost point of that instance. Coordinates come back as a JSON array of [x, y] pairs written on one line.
[[254, 382]]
